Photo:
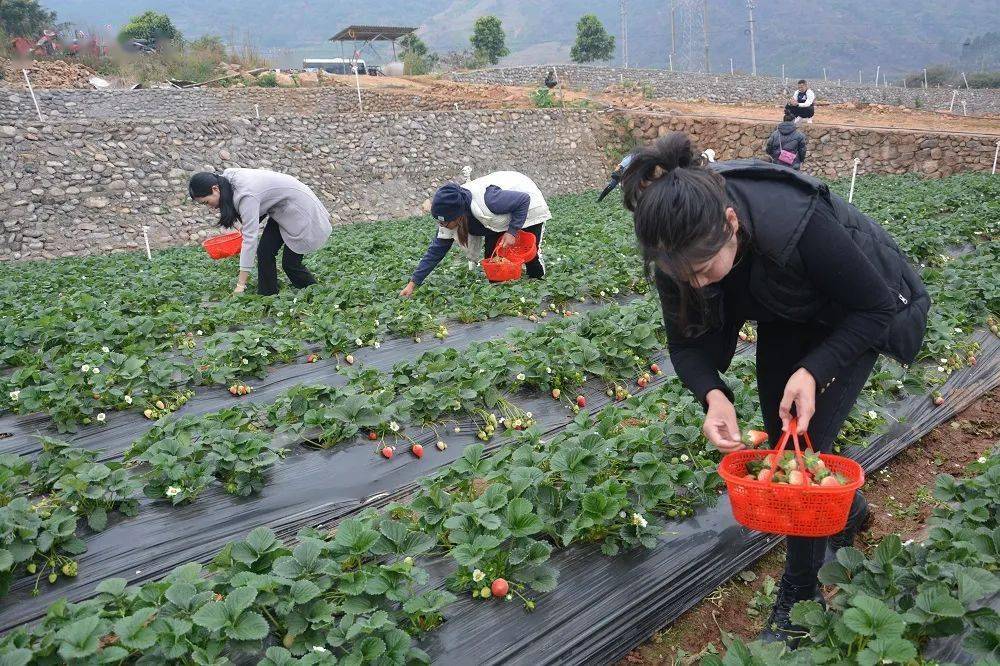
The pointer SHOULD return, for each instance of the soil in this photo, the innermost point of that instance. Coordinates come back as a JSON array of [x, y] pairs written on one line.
[[878, 116], [901, 499], [45, 74]]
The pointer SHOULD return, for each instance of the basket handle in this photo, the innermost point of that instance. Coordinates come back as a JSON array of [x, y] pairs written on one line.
[[791, 433]]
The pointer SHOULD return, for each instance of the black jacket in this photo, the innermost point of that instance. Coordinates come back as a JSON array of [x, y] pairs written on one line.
[[774, 205], [787, 137]]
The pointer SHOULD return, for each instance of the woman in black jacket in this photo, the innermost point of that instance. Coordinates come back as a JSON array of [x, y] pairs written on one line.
[[746, 240]]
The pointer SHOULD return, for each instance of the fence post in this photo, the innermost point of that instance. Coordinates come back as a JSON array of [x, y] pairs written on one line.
[[32, 91], [951, 107], [854, 175], [995, 156], [145, 237]]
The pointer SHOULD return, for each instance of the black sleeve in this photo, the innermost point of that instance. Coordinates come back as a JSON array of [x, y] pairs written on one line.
[[802, 148], [697, 360], [837, 267], [769, 146]]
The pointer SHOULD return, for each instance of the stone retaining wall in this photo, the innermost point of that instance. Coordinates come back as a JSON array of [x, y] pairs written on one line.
[[732, 89], [89, 186], [213, 103], [831, 150]]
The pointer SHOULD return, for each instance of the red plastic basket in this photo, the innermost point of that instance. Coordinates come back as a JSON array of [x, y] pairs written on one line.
[[223, 246], [501, 269], [523, 249], [805, 511]]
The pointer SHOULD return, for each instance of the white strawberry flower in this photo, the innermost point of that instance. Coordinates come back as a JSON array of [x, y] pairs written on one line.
[[684, 457], [319, 648], [548, 371], [522, 299], [376, 344], [96, 371], [458, 429], [393, 426], [246, 362], [520, 376], [622, 514], [527, 415], [84, 368], [981, 460], [128, 400], [638, 520], [74, 508], [872, 414], [105, 350], [14, 395], [101, 417], [198, 332], [358, 342], [172, 491], [478, 575], [940, 368]]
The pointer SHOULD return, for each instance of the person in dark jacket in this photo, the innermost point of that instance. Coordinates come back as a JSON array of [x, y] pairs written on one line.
[[787, 144], [482, 214], [830, 290]]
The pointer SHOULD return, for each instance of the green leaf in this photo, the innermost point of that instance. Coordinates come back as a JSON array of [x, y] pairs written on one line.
[[355, 536], [871, 617], [113, 586], [303, 591], [521, 518], [16, 657], [80, 638], [250, 626], [892, 650], [888, 550], [936, 600], [6, 560], [180, 594], [133, 631], [211, 616], [239, 600], [98, 519]]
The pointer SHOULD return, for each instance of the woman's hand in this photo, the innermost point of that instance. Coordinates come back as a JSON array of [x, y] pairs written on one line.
[[240, 288], [507, 239], [408, 289], [721, 427], [800, 391]]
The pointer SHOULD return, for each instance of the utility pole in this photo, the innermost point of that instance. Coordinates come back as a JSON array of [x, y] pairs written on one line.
[[673, 34], [753, 40], [624, 20], [704, 32]]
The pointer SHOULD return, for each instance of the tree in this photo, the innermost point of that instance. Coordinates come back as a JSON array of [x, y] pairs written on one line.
[[417, 58], [149, 26], [488, 39], [413, 44], [24, 18], [592, 41]]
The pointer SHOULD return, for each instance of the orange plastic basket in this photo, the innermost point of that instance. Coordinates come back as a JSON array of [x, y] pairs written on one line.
[[501, 269], [804, 511], [223, 246], [523, 249]]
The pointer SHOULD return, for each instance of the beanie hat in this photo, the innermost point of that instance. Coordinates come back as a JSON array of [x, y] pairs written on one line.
[[451, 201]]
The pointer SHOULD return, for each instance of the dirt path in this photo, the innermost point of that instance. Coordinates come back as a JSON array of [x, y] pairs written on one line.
[[843, 115], [901, 499]]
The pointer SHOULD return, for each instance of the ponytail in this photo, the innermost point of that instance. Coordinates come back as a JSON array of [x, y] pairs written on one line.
[[201, 186], [679, 211]]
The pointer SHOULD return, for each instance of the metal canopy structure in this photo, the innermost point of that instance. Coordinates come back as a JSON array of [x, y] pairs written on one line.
[[369, 34]]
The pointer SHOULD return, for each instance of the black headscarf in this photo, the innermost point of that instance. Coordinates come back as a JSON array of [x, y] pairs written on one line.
[[201, 186]]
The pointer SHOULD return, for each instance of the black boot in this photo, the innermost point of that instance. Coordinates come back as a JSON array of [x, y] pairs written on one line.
[[779, 627], [858, 521]]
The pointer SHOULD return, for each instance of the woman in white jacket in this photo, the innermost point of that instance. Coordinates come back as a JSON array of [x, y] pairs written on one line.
[[296, 219], [483, 213]]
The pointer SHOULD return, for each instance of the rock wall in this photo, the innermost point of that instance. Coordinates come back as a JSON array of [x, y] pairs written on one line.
[[732, 89], [213, 103], [831, 150], [89, 186]]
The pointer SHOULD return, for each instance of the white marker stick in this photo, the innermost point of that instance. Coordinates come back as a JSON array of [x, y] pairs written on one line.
[[854, 175], [32, 91]]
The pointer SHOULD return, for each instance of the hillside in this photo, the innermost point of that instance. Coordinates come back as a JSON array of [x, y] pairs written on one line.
[[843, 36]]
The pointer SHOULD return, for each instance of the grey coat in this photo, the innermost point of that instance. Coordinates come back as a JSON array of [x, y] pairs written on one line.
[[303, 220]]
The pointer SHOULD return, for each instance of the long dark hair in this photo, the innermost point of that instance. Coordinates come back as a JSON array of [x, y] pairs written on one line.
[[201, 186], [679, 210]]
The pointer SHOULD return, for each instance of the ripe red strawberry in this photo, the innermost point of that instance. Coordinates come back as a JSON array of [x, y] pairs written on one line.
[[500, 588], [387, 451], [417, 450], [373, 436], [655, 369], [643, 382], [754, 438], [581, 401]]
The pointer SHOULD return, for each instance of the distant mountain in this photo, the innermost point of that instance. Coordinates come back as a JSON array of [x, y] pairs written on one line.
[[805, 35]]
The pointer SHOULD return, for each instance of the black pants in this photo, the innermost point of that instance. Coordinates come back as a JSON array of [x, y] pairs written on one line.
[[534, 268], [291, 262], [800, 111], [780, 347]]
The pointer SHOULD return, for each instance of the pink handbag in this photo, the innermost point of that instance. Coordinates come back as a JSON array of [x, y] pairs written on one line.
[[785, 156]]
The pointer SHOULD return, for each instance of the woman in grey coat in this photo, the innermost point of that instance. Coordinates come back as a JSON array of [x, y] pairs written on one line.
[[296, 219]]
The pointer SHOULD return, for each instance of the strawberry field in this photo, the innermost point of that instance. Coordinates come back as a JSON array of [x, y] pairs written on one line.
[[402, 473]]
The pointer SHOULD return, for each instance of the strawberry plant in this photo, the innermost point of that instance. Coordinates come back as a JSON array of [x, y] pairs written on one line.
[[324, 416]]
